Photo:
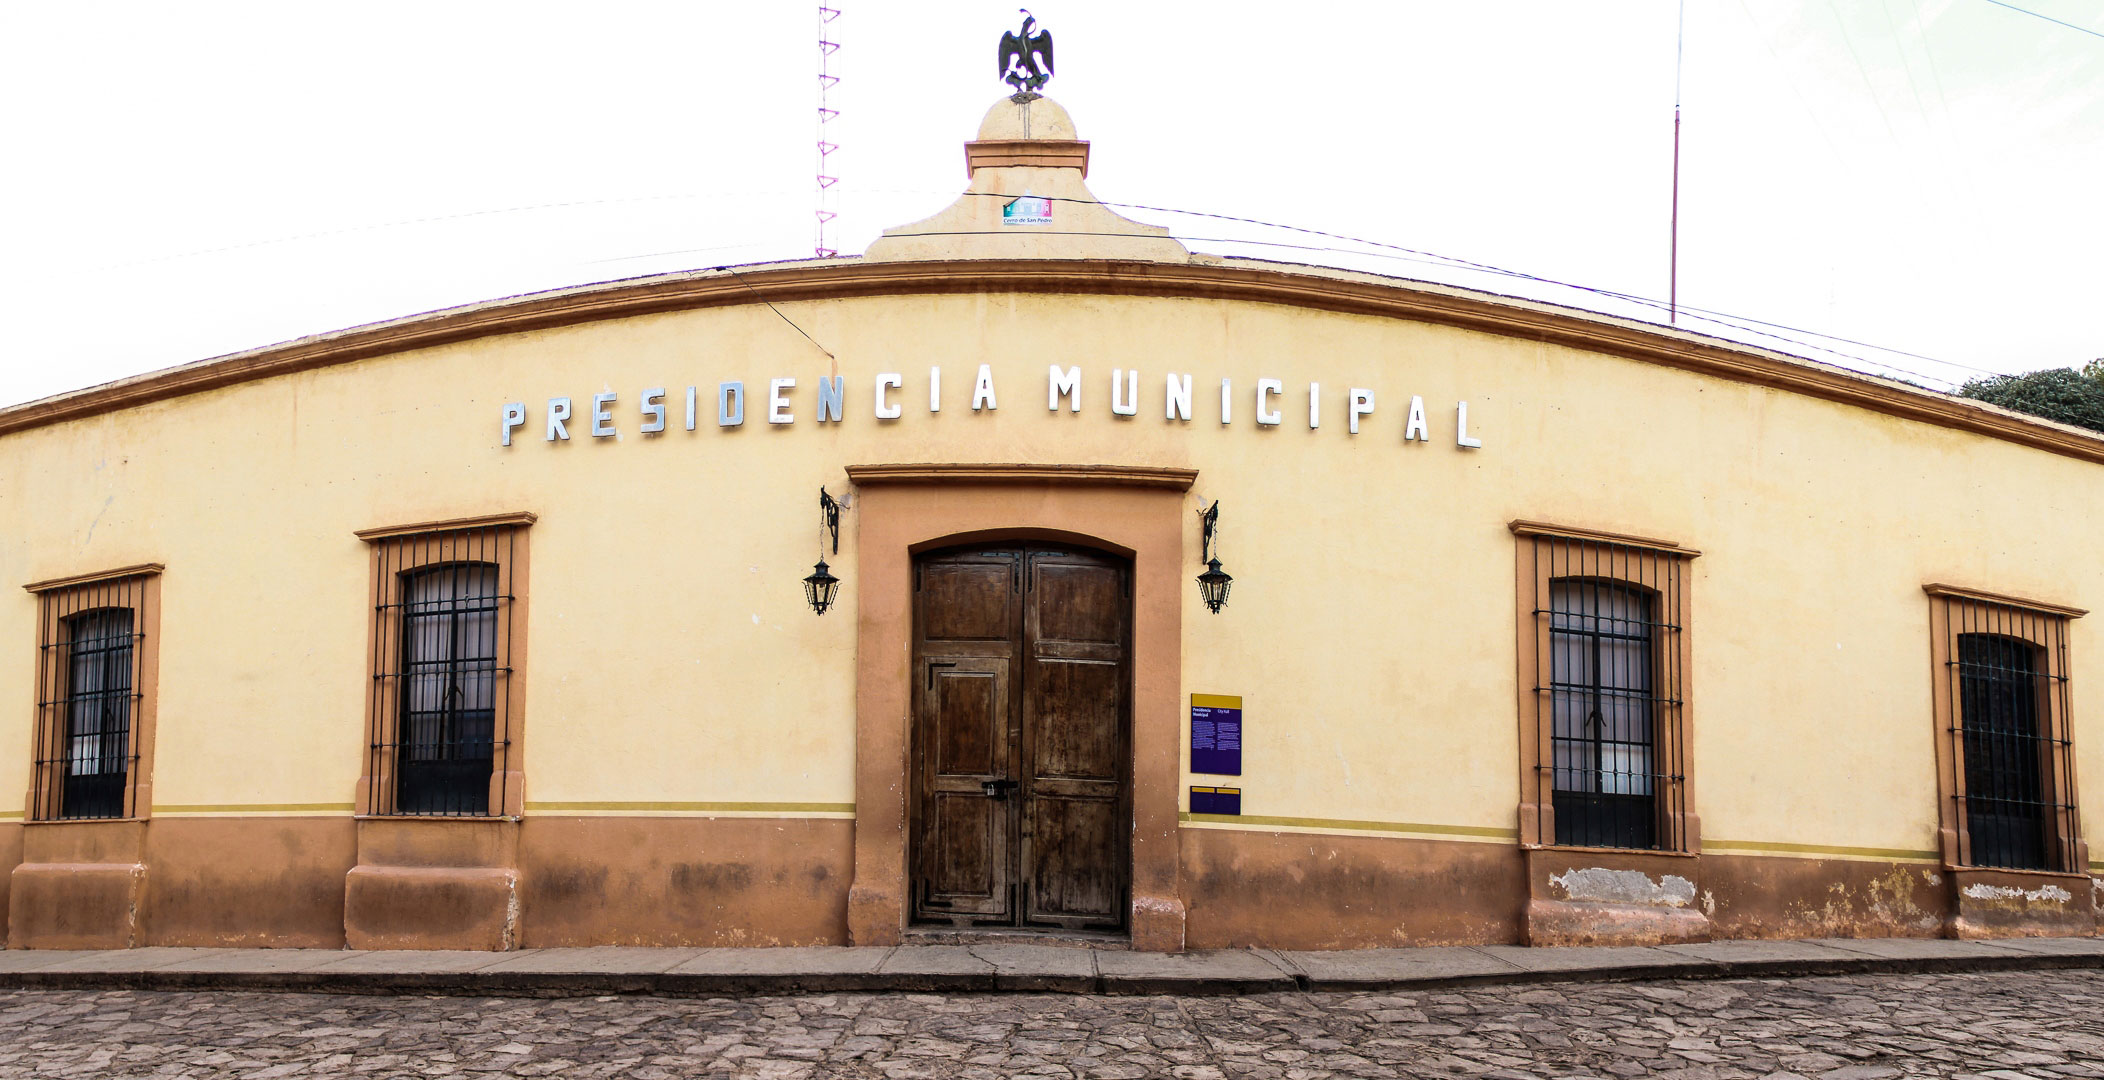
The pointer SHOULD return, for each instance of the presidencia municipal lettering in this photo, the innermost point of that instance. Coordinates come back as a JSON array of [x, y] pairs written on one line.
[[604, 417]]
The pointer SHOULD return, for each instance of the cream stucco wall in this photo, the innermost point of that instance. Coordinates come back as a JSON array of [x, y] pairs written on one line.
[[1370, 631]]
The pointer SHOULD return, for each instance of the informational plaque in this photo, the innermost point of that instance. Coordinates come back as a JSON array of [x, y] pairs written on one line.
[[1216, 735], [1216, 800]]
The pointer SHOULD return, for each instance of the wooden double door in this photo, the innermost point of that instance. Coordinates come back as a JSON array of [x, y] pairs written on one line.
[[1021, 753]]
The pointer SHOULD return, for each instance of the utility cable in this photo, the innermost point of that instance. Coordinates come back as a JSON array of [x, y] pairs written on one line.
[[778, 311], [1438, 259], [2048, 18]]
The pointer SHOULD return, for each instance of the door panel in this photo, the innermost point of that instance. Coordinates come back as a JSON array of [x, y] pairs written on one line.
[[1075, 881], [1074, 857], [1022, 813], [1076, 704], [966, 709], [969, 598], [967, 834], [1077, 601]]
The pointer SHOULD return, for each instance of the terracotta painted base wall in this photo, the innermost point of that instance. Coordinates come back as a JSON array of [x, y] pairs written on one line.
[[2001, 903], [684, 881], [580, 881], [1750, 896], [1307, 891], [80, 885], [10, 857], [272, 882]]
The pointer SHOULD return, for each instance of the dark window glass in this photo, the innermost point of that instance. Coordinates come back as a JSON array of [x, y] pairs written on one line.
[[449, 672], [2006, 809], [1601, 704], [98, 713]]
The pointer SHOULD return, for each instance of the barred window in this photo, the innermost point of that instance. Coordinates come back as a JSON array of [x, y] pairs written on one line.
[[2006, 760], [447, 727], [446, 645], [1603, 674], [93, 685], [1601, 660]]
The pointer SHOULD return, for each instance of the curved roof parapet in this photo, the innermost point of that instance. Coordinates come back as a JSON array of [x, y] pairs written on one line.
[[1026, 200], [1207, 277]]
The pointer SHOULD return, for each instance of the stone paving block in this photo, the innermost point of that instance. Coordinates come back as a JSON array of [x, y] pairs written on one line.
[[1914, 949], [1604, 959], [936, 967], [1370, 969], [1223, 972], [785, 970], [601, 960], [127, 960], [246, 961], [31, 959], [2051, 946], [414, 962], [1768, 957], [1040, 967], [804, 960]]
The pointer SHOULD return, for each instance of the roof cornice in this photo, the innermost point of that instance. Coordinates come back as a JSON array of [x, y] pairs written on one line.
[[1208, 279]]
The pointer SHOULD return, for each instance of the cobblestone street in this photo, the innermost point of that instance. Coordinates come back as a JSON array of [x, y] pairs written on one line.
[[2019, 1024]]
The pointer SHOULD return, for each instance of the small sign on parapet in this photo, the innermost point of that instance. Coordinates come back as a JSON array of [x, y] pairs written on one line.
[[1027, 210]]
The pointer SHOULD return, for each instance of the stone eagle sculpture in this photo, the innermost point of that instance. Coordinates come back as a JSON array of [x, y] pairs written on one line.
[[1026, 58]]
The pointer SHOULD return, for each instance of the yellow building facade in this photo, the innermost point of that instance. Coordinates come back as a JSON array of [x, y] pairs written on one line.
[[485, 628]]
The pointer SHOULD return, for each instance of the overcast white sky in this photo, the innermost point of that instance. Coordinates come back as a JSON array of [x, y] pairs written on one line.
[[187, 180]]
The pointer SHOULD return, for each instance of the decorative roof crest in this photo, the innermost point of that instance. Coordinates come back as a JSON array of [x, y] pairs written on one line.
[[1026, 59]]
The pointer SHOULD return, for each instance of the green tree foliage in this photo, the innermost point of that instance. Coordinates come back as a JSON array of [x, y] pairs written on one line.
[[2063, 394]]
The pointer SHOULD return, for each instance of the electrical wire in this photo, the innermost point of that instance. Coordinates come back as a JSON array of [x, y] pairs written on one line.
[[778, 311], [1407, 254], [2048, 18], [1434, 258]]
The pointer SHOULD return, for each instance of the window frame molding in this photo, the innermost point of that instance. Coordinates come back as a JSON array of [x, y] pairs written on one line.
[[1954, 837], [42, 803], [511, 534], [1642, 562]]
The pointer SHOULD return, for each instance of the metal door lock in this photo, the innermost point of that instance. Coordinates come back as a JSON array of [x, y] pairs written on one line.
[[997, 789]]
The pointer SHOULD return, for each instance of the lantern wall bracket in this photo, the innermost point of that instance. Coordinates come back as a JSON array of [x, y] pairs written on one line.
[[829, 516], [1214, 583]]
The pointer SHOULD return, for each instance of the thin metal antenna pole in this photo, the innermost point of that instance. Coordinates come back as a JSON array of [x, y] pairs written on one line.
[[828, 200], [1673, 256]]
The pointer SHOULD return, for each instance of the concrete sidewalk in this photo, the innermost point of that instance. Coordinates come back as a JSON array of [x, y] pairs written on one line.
[[998, 967]]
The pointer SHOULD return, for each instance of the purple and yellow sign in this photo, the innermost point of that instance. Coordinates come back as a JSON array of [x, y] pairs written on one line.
[[1216, 734]]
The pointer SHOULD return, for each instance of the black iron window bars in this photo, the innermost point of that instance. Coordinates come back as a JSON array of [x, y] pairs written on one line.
[[2010, 770], [441, 724], [91, 682], [1605, 631]]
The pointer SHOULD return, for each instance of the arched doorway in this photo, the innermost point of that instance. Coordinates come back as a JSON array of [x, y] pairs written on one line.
[[1020, 808]]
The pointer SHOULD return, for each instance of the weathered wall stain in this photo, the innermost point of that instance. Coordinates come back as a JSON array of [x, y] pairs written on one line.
[[1599, 884], [1342, 892]]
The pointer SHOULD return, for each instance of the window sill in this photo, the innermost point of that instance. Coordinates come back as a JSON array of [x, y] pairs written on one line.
[[1575, 850], [84, 820], [435, 817], [2044, 875]]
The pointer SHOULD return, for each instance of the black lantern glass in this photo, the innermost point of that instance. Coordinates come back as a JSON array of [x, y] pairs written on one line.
[[1213, 586], [820, 587]]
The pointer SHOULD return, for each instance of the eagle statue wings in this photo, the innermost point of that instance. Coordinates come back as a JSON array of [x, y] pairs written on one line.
[[1026, 58]]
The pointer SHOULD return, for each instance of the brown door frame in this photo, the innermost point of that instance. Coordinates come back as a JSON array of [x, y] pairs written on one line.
[[1137, 512], [1005, 828]]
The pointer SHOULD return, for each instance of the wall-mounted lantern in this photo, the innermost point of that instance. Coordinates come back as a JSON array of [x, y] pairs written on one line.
[[1213, 584], [820, 587]]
